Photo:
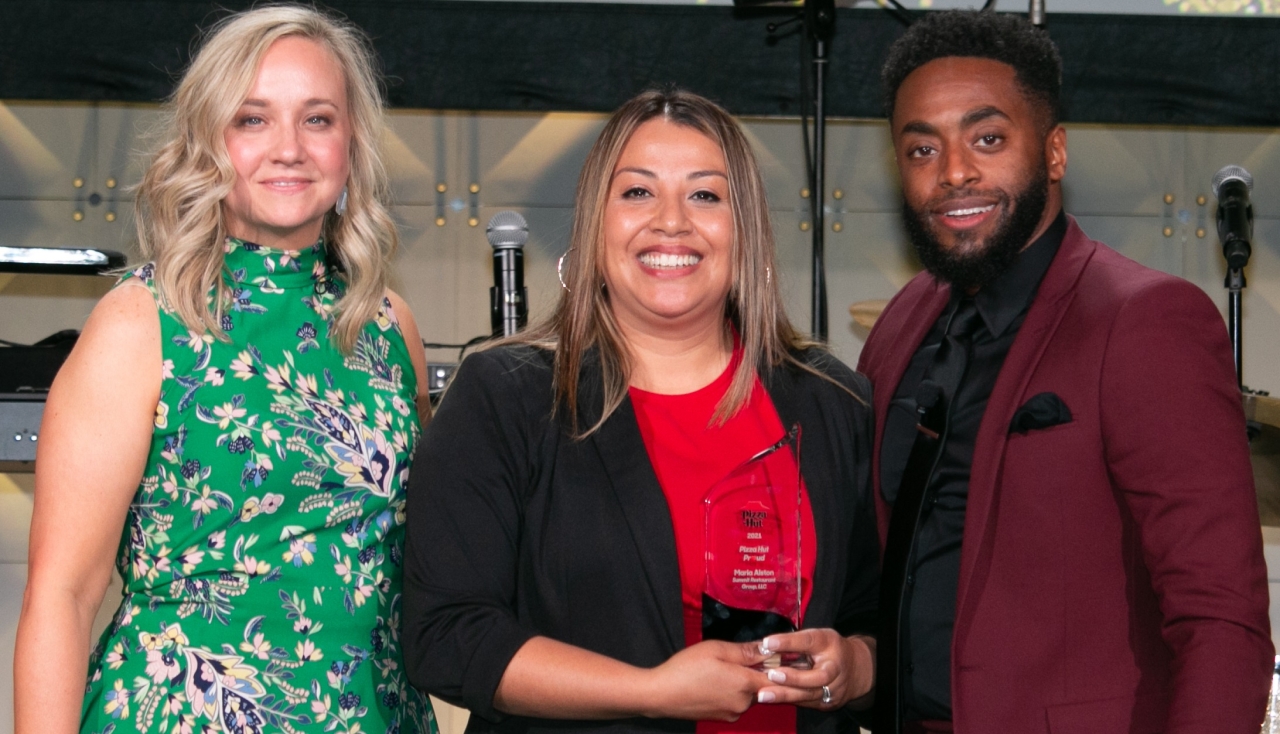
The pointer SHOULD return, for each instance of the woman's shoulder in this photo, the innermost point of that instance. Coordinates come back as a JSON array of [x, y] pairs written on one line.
[[522, 368], [820, 364]]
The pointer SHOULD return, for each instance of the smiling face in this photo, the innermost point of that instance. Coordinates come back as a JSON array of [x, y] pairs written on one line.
[[668, 231], [289, 143], [979, 174]]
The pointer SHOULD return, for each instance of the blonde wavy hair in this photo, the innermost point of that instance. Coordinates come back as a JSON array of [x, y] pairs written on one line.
[[583, 319], [180, 220]]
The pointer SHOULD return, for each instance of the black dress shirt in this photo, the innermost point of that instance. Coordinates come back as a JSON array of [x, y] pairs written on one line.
[[929, 607]]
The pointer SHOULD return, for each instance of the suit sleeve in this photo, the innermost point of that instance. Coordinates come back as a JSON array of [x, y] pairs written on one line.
[[1175, 443], [461, 551]]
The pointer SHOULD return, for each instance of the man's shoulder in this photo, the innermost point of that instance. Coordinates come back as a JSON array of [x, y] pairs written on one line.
[[1114, 279]]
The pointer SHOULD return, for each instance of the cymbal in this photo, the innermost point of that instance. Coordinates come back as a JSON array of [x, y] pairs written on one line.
[[865, 313]]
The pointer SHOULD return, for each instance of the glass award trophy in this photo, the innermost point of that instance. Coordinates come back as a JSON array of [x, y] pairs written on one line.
[[752, 586]]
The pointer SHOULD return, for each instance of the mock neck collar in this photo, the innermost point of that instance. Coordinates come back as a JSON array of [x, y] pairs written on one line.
[[265, 267]]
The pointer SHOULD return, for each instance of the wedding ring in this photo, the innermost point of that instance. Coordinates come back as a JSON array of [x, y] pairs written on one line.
[[826, 694]]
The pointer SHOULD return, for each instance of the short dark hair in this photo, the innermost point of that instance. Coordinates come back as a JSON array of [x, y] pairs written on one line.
[[1004, 37]]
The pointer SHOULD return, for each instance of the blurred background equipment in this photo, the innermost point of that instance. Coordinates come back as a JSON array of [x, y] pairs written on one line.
[[27, 370]]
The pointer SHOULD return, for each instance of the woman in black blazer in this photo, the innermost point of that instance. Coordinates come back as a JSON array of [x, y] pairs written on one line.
[[543, 582]]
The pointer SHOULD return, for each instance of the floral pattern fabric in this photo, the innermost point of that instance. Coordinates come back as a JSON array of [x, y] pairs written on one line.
[[261, 555]]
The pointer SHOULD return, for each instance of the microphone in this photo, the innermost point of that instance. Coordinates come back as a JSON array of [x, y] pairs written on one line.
[[508, 298], [1231, 186]]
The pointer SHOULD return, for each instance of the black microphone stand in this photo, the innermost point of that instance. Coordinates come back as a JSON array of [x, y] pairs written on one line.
[[819, 17], [1234, 284], [819, 28]]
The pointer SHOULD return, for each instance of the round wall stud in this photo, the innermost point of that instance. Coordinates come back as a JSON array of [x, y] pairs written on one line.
[[836, 226], [1201, 200], [804, 226], [1168, 198], [474, 188], [78, 182], [111, 183], [473, 222], [837, 194], [1200, 233], [77, 215], [439, 221], [1168, 231], [804, 193], [110, 216], [441, 188]]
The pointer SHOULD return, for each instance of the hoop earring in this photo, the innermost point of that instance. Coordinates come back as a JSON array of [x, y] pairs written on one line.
[[560, 268], [340, 208]]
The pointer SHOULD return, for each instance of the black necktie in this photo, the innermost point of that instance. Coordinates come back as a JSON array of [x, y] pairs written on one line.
[[933, 402]]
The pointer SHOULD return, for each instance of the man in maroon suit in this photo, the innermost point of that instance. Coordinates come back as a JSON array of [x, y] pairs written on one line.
[[1072, 540]]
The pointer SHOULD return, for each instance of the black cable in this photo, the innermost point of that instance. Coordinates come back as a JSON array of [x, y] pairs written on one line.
[[904, 14], [7, 343]]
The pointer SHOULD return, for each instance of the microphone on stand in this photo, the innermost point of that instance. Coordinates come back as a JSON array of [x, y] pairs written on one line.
[[1235, 229], [508, 298], [1231, 186]]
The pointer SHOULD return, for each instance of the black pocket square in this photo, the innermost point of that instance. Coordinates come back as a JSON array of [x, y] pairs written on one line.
[[1042, 411]]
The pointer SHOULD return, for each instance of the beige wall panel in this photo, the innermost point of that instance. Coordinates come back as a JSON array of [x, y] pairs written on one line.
[[860, 164], [1123, 170], [420, 147], [45, 146], [526, 161], [127, 137], [51, 223]]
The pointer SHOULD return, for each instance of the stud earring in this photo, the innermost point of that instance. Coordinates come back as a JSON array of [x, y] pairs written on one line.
[[341, 207]]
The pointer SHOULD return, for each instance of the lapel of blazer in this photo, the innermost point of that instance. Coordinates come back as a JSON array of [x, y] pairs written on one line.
[[1047, 309], [905, 328], [630, 474], [781, 385]]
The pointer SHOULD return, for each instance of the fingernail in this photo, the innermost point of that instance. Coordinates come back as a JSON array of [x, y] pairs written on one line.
[[766, 646], [777, 676], [765, 697]]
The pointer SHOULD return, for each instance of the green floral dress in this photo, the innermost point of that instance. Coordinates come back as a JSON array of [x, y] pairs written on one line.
[[262, 553]]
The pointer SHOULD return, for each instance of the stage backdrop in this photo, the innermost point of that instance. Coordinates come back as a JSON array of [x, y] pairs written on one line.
[[1142, 69]]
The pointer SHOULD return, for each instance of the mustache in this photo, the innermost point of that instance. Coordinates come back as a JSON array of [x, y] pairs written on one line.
[[996, 194]]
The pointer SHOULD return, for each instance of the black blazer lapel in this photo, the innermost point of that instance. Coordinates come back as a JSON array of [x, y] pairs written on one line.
[[628, 470], [780, 383]]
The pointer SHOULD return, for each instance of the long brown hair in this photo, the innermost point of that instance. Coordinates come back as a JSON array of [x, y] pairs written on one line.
[[583, 320], [179, 215]]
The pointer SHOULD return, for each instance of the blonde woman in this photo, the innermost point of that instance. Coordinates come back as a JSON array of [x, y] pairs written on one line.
[[554, 565], [236, 423]]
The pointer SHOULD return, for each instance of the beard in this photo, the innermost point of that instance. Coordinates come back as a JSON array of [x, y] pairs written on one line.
[[971, 264]]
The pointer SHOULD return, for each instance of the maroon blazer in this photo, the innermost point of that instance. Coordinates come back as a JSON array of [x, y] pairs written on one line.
[[1111, 577]]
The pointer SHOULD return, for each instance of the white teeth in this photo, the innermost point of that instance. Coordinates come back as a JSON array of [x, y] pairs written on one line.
[[665, 260], [971, 212]]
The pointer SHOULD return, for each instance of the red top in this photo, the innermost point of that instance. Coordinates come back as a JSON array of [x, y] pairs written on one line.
[[690, 454]]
